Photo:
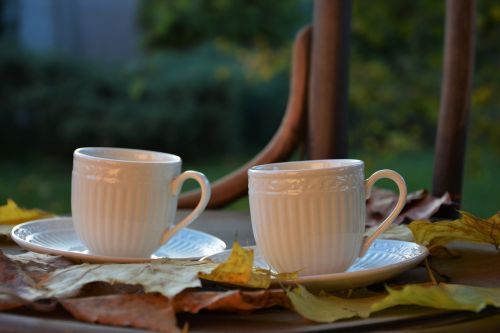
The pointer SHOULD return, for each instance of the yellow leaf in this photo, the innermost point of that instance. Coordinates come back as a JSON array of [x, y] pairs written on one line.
[[466, 228], [327, 308], [12, 214], [442, 296], [238, 270]]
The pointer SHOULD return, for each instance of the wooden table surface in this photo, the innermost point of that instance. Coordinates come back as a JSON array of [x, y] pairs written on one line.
[[479, 265]]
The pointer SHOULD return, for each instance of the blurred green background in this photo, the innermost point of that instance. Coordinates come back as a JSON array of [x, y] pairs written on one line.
[[211, 85]]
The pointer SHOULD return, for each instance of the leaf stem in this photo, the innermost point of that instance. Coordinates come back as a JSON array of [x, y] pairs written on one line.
[[429, 272]]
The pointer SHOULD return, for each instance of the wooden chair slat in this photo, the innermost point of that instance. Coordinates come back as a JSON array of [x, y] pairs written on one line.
[[327, 97], [455, 99]]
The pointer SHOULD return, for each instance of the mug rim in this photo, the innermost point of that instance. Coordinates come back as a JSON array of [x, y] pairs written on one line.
[[83, 153], [276, 169]]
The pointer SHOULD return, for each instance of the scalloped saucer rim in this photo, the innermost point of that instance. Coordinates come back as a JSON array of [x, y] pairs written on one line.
[[61, 229]]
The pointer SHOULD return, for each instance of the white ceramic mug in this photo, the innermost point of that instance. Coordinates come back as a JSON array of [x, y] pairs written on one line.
[[124, 201], [309, 216]]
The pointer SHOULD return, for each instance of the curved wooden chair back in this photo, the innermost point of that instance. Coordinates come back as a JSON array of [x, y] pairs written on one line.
[[316, 113]]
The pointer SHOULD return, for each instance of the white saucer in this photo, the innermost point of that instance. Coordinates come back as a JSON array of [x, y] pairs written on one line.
[[57, 236], [384, 259]]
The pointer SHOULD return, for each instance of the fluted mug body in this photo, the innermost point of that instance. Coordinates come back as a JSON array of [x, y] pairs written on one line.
[[123, 200], [309, 216]]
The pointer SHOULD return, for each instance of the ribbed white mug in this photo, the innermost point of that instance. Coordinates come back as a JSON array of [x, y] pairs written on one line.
[[124, 201], [309, 216]]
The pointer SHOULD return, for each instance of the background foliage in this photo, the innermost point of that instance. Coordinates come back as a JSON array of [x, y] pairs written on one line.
[[214, 84]]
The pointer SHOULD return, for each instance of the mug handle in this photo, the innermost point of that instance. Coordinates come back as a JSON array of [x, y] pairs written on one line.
[[400, 182], [202, 204]]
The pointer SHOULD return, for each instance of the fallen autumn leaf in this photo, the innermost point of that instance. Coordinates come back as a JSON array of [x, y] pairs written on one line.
[[466, 228], [230, 301], [238, 270], [167, 277], [327, 308], [11, 213], [150, 311]]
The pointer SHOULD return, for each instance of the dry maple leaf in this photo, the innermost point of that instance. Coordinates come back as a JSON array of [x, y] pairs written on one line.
[[29, 277], [17, 283], [441, 296], [229, 301], [34, 276], [152, 312], [467, 228], [37, 265], [328, 308], [419, 205], [238, 270], [155, 312], [19, 277], [8, 302], [167, 277]]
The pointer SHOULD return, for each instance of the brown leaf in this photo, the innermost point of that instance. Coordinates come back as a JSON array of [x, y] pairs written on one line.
[[230, 301], [425, 207], [150, 311], [419, 205], [14, 281], [8, 302], [103, 288], [33, 276], [37, 265], [19, 277], [167, 277]]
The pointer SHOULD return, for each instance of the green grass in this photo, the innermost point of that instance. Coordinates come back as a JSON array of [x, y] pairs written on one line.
[[46, 184]]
